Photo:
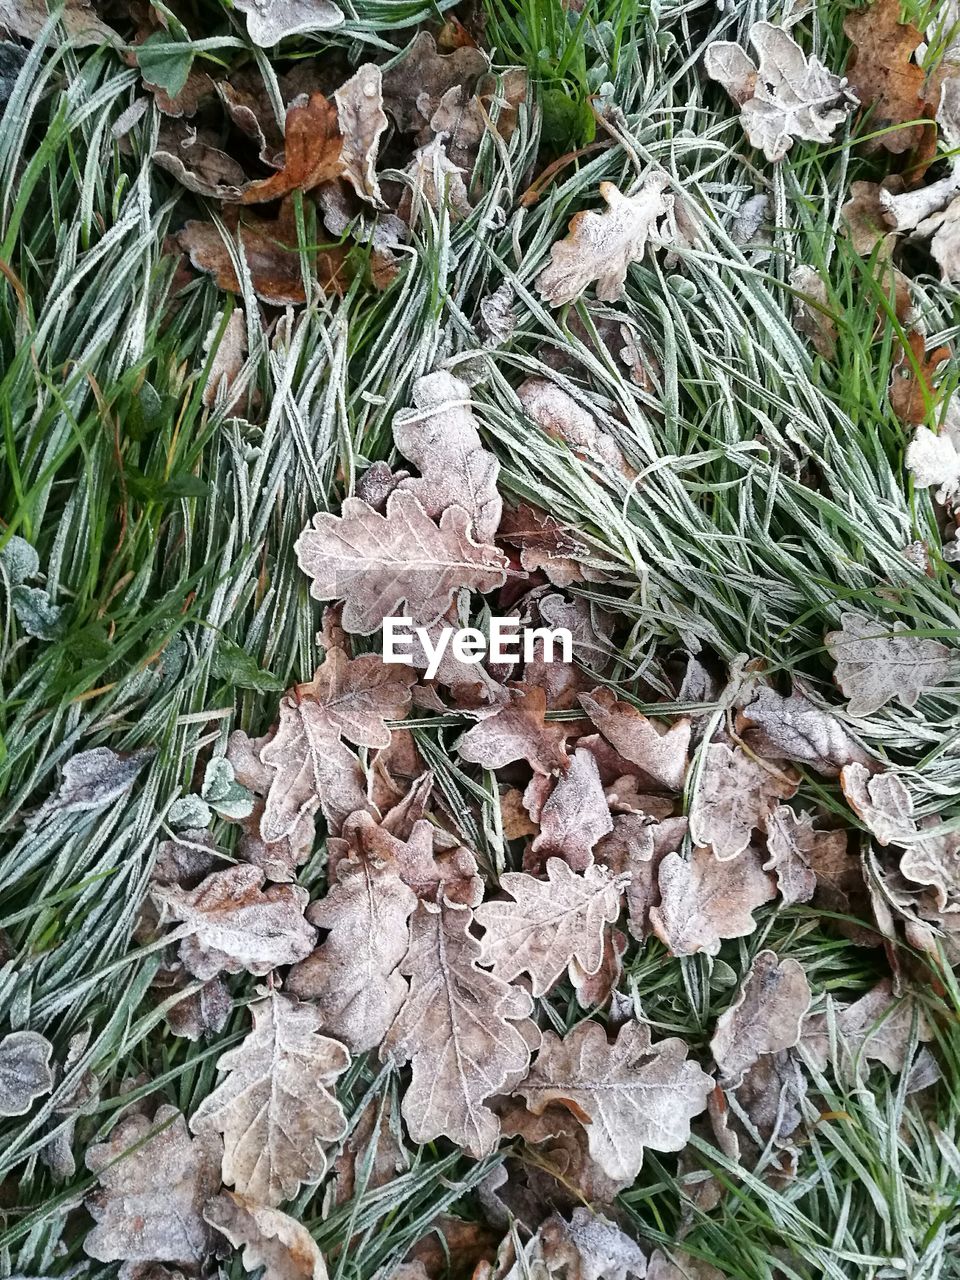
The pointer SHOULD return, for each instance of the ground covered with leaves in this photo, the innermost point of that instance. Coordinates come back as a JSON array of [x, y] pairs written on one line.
[[634, 319]]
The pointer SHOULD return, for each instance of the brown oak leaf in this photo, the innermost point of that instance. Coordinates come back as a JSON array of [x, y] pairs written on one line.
[[875, 1028], [550, 924], [636, 846], [913, 396], [418, 79], [518, 731], [275, 1107], [630, 1094], [358, 695], [429, 861], [575, 816], [311, 156], [659, 750], [235, 924], [882, 802], [397, 564], [883, 76], [704, 900], [270, 1239], [765, 1017], [467, 1034], [796, 848], [734, 795]]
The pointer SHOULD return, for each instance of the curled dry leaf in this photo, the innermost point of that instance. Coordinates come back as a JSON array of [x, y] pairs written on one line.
[[269, 21], [431, 863], [588, 1247], [884, 76], [440, 437], [235, 924], [934, 862], [24, 1071], [197, 164], [467, 1034], [734, 795], [518, 731], [630, 1094], [352, 978], [359, 695], [275, 1108], [270, 1239], [813, 314], [550, 924], [704, 900], [594, 990], [154, 1181], [362, 122], [397, 564], [418, 79], [311, 155], [796, 849], [576, 815], [881, 801], [765, 1017], [876, 663], [95, 778], [794, 728], [784, 95], [601, 246], [434, 182], [659, 750], [912, 393]]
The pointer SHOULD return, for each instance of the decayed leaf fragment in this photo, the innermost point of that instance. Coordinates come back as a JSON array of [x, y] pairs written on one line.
[[734, 795], [358, 695], [550, 924], [658, 749], [784, 96], [377, 564], [95, 778], [630, 1094], [518, 731], [704, 900], [576, 815], [27, 18], [275, 1108], [601, 246], [419, 78], [270, 1239], [796, 849], [269, 21], [884, 77], [876, 663], [154, 1181], [588, 1247], [467, 1034], [352, 977], [227, 360], [765, 1017], [237, 925], [24, 1071], [362, 121], [440, 437]]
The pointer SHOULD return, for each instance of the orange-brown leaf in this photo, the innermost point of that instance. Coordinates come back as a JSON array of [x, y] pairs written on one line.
[[912, 394], [312, 152], [883, 76]]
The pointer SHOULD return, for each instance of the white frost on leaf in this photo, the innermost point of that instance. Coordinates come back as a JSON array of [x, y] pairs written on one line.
[[269, 21]]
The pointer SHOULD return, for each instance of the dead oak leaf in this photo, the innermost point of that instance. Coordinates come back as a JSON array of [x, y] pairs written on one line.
[[440, 437], [311, 155], [877, 662], [875, 1028], [197, 164], [594, 990], [362, 122], [881, 801], [24, 1071], [359, 695], [154, 1181], [794, 728], [734, 795], [587, 1247], [796, 848], [913, 396], [550, 923], [27, 18], [704, 900], [270, 1239], [576, 815], [427, 860], [235, 924], [659, 750], [270, 21], [883, 76], [467, 1034], [630, 1094], [377, 564], [601, 246], [784, 95], [352, 978], [765, 1017], [275, 1107], [414, 84], [518, 731]]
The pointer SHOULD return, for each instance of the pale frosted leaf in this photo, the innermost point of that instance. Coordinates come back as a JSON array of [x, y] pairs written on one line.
[[352, 977], [794, 728], [576, 815], [881, 801], [564, 418], [594, 990], [440, 437], [235, 924], [24, 1071], [269, 21], [415, 82], [734, 795], [876, 663], [154, 1181], [95, 778], [765, 1017], [550, 923], [313, 769], [630, 1094], [658, 749], [427, 859], [269, 1239], [601, 246], [934, 861], [396, 564], [587, 1247], [518, 731], [875, 1028], [935, 460], [704, 900], [466, 1034], [358, 695], [784, 96], [433, 182], [796, 847], [636, 846], [275, 1107], [228, 358], [362, 121]]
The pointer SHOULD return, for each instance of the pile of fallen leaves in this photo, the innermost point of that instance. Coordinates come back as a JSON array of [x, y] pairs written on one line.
[[627, 824]]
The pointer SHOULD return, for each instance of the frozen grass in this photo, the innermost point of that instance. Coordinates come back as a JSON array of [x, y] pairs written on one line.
[[165, 529]]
